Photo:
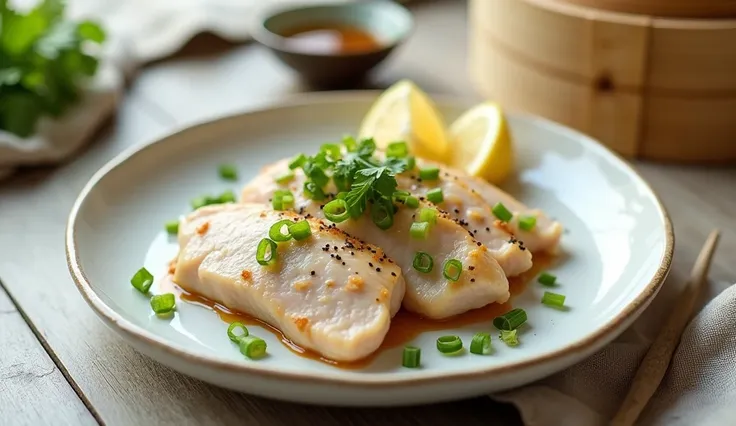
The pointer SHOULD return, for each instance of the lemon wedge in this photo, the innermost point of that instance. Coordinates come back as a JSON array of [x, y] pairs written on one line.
[[403, 112], [482, 143]]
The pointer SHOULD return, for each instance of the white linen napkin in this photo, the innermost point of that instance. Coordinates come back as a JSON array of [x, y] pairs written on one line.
[[699, 388]]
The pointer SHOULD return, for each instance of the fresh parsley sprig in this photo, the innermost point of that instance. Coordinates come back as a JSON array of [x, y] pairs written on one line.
[[44, 59]]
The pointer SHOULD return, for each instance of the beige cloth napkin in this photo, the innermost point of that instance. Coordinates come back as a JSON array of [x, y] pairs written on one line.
[[699, 388]]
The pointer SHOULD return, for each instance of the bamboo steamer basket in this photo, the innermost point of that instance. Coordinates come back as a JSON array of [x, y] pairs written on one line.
[[652, 88], [669, 8]]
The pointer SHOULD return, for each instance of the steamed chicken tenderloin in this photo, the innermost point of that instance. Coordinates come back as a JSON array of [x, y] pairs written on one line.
[[320, 291]]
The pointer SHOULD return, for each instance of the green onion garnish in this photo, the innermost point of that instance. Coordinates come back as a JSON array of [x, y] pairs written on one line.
[[236, 331], [341, 195], [481, 344], [266, 253], [163, 303], [411, 163], [382, 214], [202, 201], [300, 230], [401, 196], [435, 195], [511, 320], [423, 262], [452, 269], [336, 211], [397, 150], [332, 149], [547, 279], [297, 161], [411, 357], [527, 223], [142, 280], [228, 172], [226, 197], [276, 232], [429, 173], [172, 227], [313, 192], [284, 178], [428, 214], [449, 345], [411, 202], [350, 143], [509, 337], [502, 213], [553, 299], [282, 199], [253, 347], [419, 230]]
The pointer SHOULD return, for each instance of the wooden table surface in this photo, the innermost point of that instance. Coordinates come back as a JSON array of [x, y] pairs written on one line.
[[60, 365]]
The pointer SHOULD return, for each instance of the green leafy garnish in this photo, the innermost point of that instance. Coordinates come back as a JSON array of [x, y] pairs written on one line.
[[44, 59]]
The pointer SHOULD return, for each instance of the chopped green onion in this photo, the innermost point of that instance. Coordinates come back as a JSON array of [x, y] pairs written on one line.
[[253, 347], [449, 345], [163, 303], [411, 163], [236, 331], [202, 201], [172, 227], [481, 344], [142, 280], [382, 214], [502, 213], [452, 269], [284, 178], [511, 320], [419, 230], [336, 211], [276, 232], [282, 199], [412, 202], [509, 337], [435, 195], [553, 299], [341, 195], [313, 192], [429, 173], [287, 202], [266, 253], [547, 279], [300, 230], [332, 150], [350, 143], [397, 150], [226, 197], [423, 262], [428, 214], [228, 171], [527, 223], [297, 161], [401, 196], [411, 357]]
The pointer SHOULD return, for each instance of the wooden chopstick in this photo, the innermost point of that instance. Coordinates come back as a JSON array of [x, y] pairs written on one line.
[[655, 363]]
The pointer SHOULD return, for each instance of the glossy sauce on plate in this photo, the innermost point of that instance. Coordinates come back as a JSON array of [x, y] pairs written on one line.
[[405, 326], [330, 39]]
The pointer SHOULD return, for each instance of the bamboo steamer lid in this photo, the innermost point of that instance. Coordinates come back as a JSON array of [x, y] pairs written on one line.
[[654, 88], [666, 8]]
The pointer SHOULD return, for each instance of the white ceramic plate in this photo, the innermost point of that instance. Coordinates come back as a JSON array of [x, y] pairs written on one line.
[[615, 255]]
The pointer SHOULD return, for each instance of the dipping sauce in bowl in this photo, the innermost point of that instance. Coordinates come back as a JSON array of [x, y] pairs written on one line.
[[331, 39]]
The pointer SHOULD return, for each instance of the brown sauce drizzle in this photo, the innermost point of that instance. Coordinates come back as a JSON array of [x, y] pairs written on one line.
[[405, 326]]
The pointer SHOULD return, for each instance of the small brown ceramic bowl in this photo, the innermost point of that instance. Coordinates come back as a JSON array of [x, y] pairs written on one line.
[[386, 22]]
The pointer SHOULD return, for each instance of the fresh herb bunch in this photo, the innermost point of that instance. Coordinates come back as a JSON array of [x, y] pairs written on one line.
[[44, 59], [358, 175]]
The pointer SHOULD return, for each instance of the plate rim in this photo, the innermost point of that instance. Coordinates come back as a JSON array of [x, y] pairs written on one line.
[[143, 336]]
